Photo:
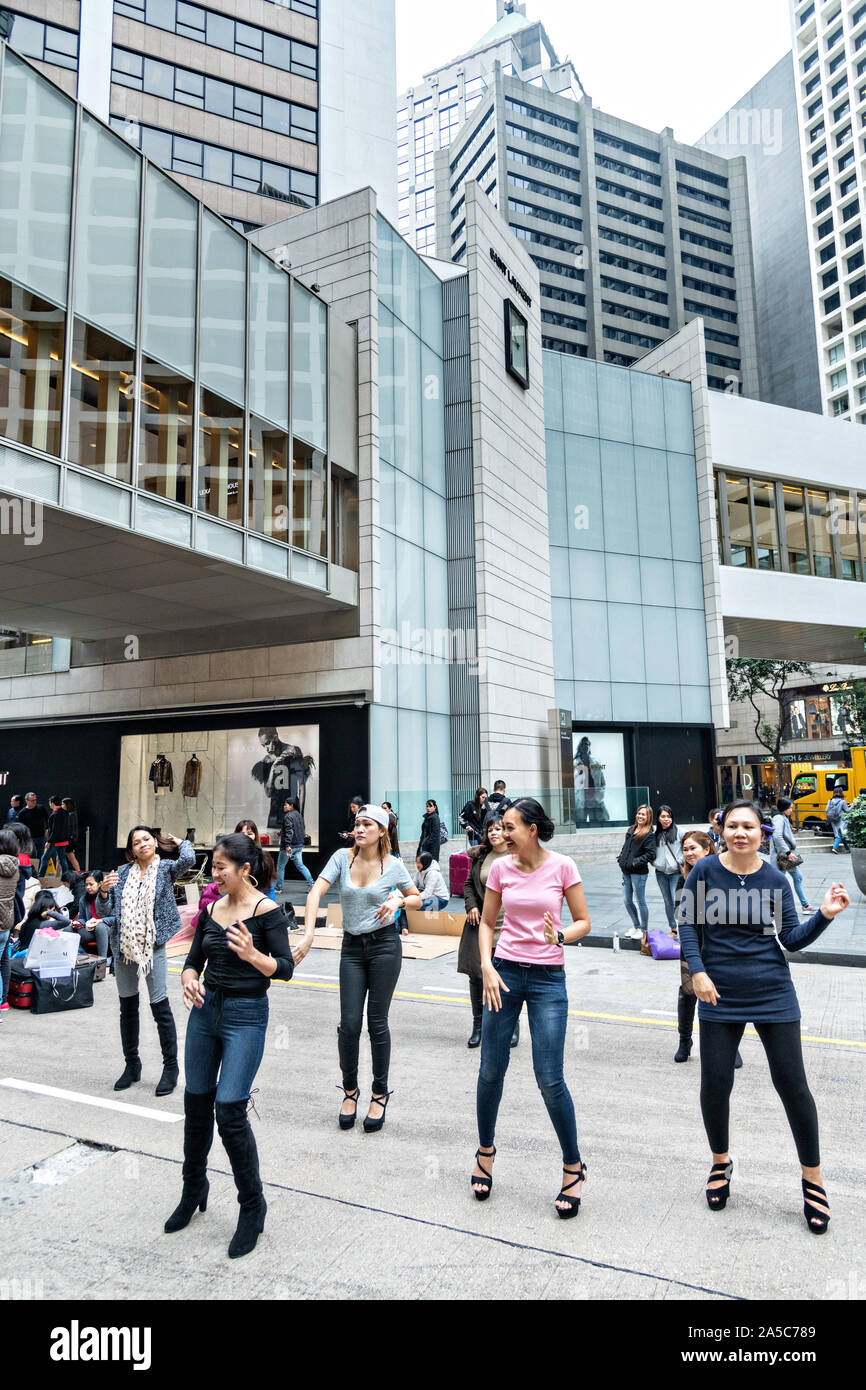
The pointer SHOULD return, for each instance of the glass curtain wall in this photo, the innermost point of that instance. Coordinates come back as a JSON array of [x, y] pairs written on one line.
[[410, 723], [309, 422], [771, 524], [31, 363], [269, 492]]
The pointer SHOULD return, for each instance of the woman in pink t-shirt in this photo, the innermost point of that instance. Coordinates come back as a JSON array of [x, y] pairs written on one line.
[[530, 883]]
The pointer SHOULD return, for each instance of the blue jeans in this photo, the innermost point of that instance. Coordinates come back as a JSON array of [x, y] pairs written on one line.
[[52, 852], [434, 904], [797, 880], [225, 1042], [668, 887], [543, 991], [839, 836], [636, 884], [297, 858]]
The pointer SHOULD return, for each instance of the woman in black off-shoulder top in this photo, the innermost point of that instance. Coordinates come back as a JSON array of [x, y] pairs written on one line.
[[242, 943]]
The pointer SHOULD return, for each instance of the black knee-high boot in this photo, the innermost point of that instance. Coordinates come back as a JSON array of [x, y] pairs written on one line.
[[686, 1005], [129, 1041], [198, 1125], [476, 996], [168, 1042], [240, 1145]]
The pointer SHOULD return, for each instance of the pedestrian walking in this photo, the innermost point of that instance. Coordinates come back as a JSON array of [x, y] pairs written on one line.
[[374, 886], [430, 884], [243, 940], [292, 844], [740, 975], [668, 862], [56, 838], [637, 853], [837, 819], [138, 906], [354, 807], [72, 812], [431, 837], [472, 816], [530, 884], [784, 845], [696, 845], [35, 817], [491, 849]]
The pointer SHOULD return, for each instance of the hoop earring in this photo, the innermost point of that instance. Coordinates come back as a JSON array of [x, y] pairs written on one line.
[[253, 881]]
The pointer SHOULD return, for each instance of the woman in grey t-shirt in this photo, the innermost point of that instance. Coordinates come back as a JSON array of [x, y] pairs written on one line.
[[373, 885]]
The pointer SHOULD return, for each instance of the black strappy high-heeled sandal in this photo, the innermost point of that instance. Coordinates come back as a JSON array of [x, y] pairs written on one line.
[[717, 1196], [347, 1121], [573, 1202], [487, 1180], [816, 1219], [371, 1126]]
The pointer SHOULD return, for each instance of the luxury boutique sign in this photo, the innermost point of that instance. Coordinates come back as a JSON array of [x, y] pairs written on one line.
[[510, 277]]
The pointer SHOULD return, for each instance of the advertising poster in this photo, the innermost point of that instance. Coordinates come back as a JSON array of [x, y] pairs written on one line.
[[264, 766], [599, 778]]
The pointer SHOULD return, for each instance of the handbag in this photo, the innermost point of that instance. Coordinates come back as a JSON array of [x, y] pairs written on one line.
[[98, 964], [73, 991], [788, 861], [662, 945]]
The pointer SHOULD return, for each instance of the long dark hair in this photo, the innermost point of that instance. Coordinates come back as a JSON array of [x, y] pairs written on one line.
[[41, 902], [532, 812], [476, 800], [166, 849], [672, 834], [240, 849], [22, 835], [431, 802], [742, 805], [8, 842], [246, 821]]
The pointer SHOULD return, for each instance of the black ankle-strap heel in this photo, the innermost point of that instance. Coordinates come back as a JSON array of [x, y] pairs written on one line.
[[717, 1197], [573, 1202], [816, 1219], [371, 1126], [347, 1121], [487, 1181]]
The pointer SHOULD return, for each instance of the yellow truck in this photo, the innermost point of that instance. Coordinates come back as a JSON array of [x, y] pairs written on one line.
[[811, 789]]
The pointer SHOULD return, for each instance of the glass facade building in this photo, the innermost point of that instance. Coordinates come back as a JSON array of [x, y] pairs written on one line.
[[168, 375]]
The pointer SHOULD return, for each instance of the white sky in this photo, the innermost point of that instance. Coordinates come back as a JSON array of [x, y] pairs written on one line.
[[679, 63]]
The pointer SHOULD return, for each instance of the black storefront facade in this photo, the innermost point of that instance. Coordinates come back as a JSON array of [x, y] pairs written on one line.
[[89, 760], [672, 765]]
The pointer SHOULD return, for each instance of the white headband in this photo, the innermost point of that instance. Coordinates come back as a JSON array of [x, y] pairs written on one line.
[[376, 813]]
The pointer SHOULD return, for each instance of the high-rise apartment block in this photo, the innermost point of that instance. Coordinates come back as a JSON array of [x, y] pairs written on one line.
[[830, 79], [257, 107], [634, 233]]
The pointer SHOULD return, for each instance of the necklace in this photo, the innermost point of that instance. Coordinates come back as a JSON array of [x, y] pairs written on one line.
[[743, 877]]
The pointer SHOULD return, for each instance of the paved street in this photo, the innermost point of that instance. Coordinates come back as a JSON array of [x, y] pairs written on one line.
[[391, 1215]]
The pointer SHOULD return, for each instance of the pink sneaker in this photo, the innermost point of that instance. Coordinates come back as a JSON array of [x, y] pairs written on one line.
[[3, 1006]]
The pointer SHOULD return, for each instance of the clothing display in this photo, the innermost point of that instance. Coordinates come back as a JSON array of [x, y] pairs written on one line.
[[192, 776], [161, 773]]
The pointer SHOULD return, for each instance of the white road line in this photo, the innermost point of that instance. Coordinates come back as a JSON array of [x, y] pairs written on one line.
[[81, 1099], [660, 1013], [439, 989], [308, 976]]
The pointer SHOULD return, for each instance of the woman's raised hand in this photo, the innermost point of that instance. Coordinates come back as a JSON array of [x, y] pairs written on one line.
[[836, 899]]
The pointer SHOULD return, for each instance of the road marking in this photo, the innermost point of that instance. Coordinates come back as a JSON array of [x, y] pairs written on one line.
[[463, 992], [661, 1013], [81, 1099], [573, 1013]]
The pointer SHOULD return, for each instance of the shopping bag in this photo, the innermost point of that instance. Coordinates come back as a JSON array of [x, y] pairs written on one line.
[[52, 953], [56, 996], [662, 945]]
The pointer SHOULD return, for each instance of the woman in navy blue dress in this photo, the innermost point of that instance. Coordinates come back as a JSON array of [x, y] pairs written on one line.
[[746, 910]]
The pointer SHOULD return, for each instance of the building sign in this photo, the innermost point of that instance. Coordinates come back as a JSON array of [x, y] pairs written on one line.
[[510, 277], [516, 345]]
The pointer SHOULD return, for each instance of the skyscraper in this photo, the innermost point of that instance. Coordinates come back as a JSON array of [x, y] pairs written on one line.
[[244, 111], [634, 233]]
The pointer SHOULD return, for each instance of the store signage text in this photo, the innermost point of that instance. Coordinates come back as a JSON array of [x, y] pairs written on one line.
[[510, 276]]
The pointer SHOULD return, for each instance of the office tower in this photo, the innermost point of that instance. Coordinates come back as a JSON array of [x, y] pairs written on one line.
[[763, 128], [284, 107], [634, 233], [830, 80]]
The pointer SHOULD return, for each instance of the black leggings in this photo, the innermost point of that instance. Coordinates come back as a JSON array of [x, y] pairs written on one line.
[[369, 968], [781, 1042]]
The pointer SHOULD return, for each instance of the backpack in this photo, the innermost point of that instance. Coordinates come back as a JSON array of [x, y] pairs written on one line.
[[443, 832]]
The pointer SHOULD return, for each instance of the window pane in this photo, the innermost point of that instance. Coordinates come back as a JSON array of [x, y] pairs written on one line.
[[223, 309], [219, 99], [106, 264], [849, 543], [269, 341], [100, 402], [739, 522], [168, 305], [36, 135], [165, 443], [269, 479], [220, 472], [344, 521], [221, 32], [309, 498], [158, 78], [795, 527], [309, 367], [822, 541], [766, 534], [31, 356]]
